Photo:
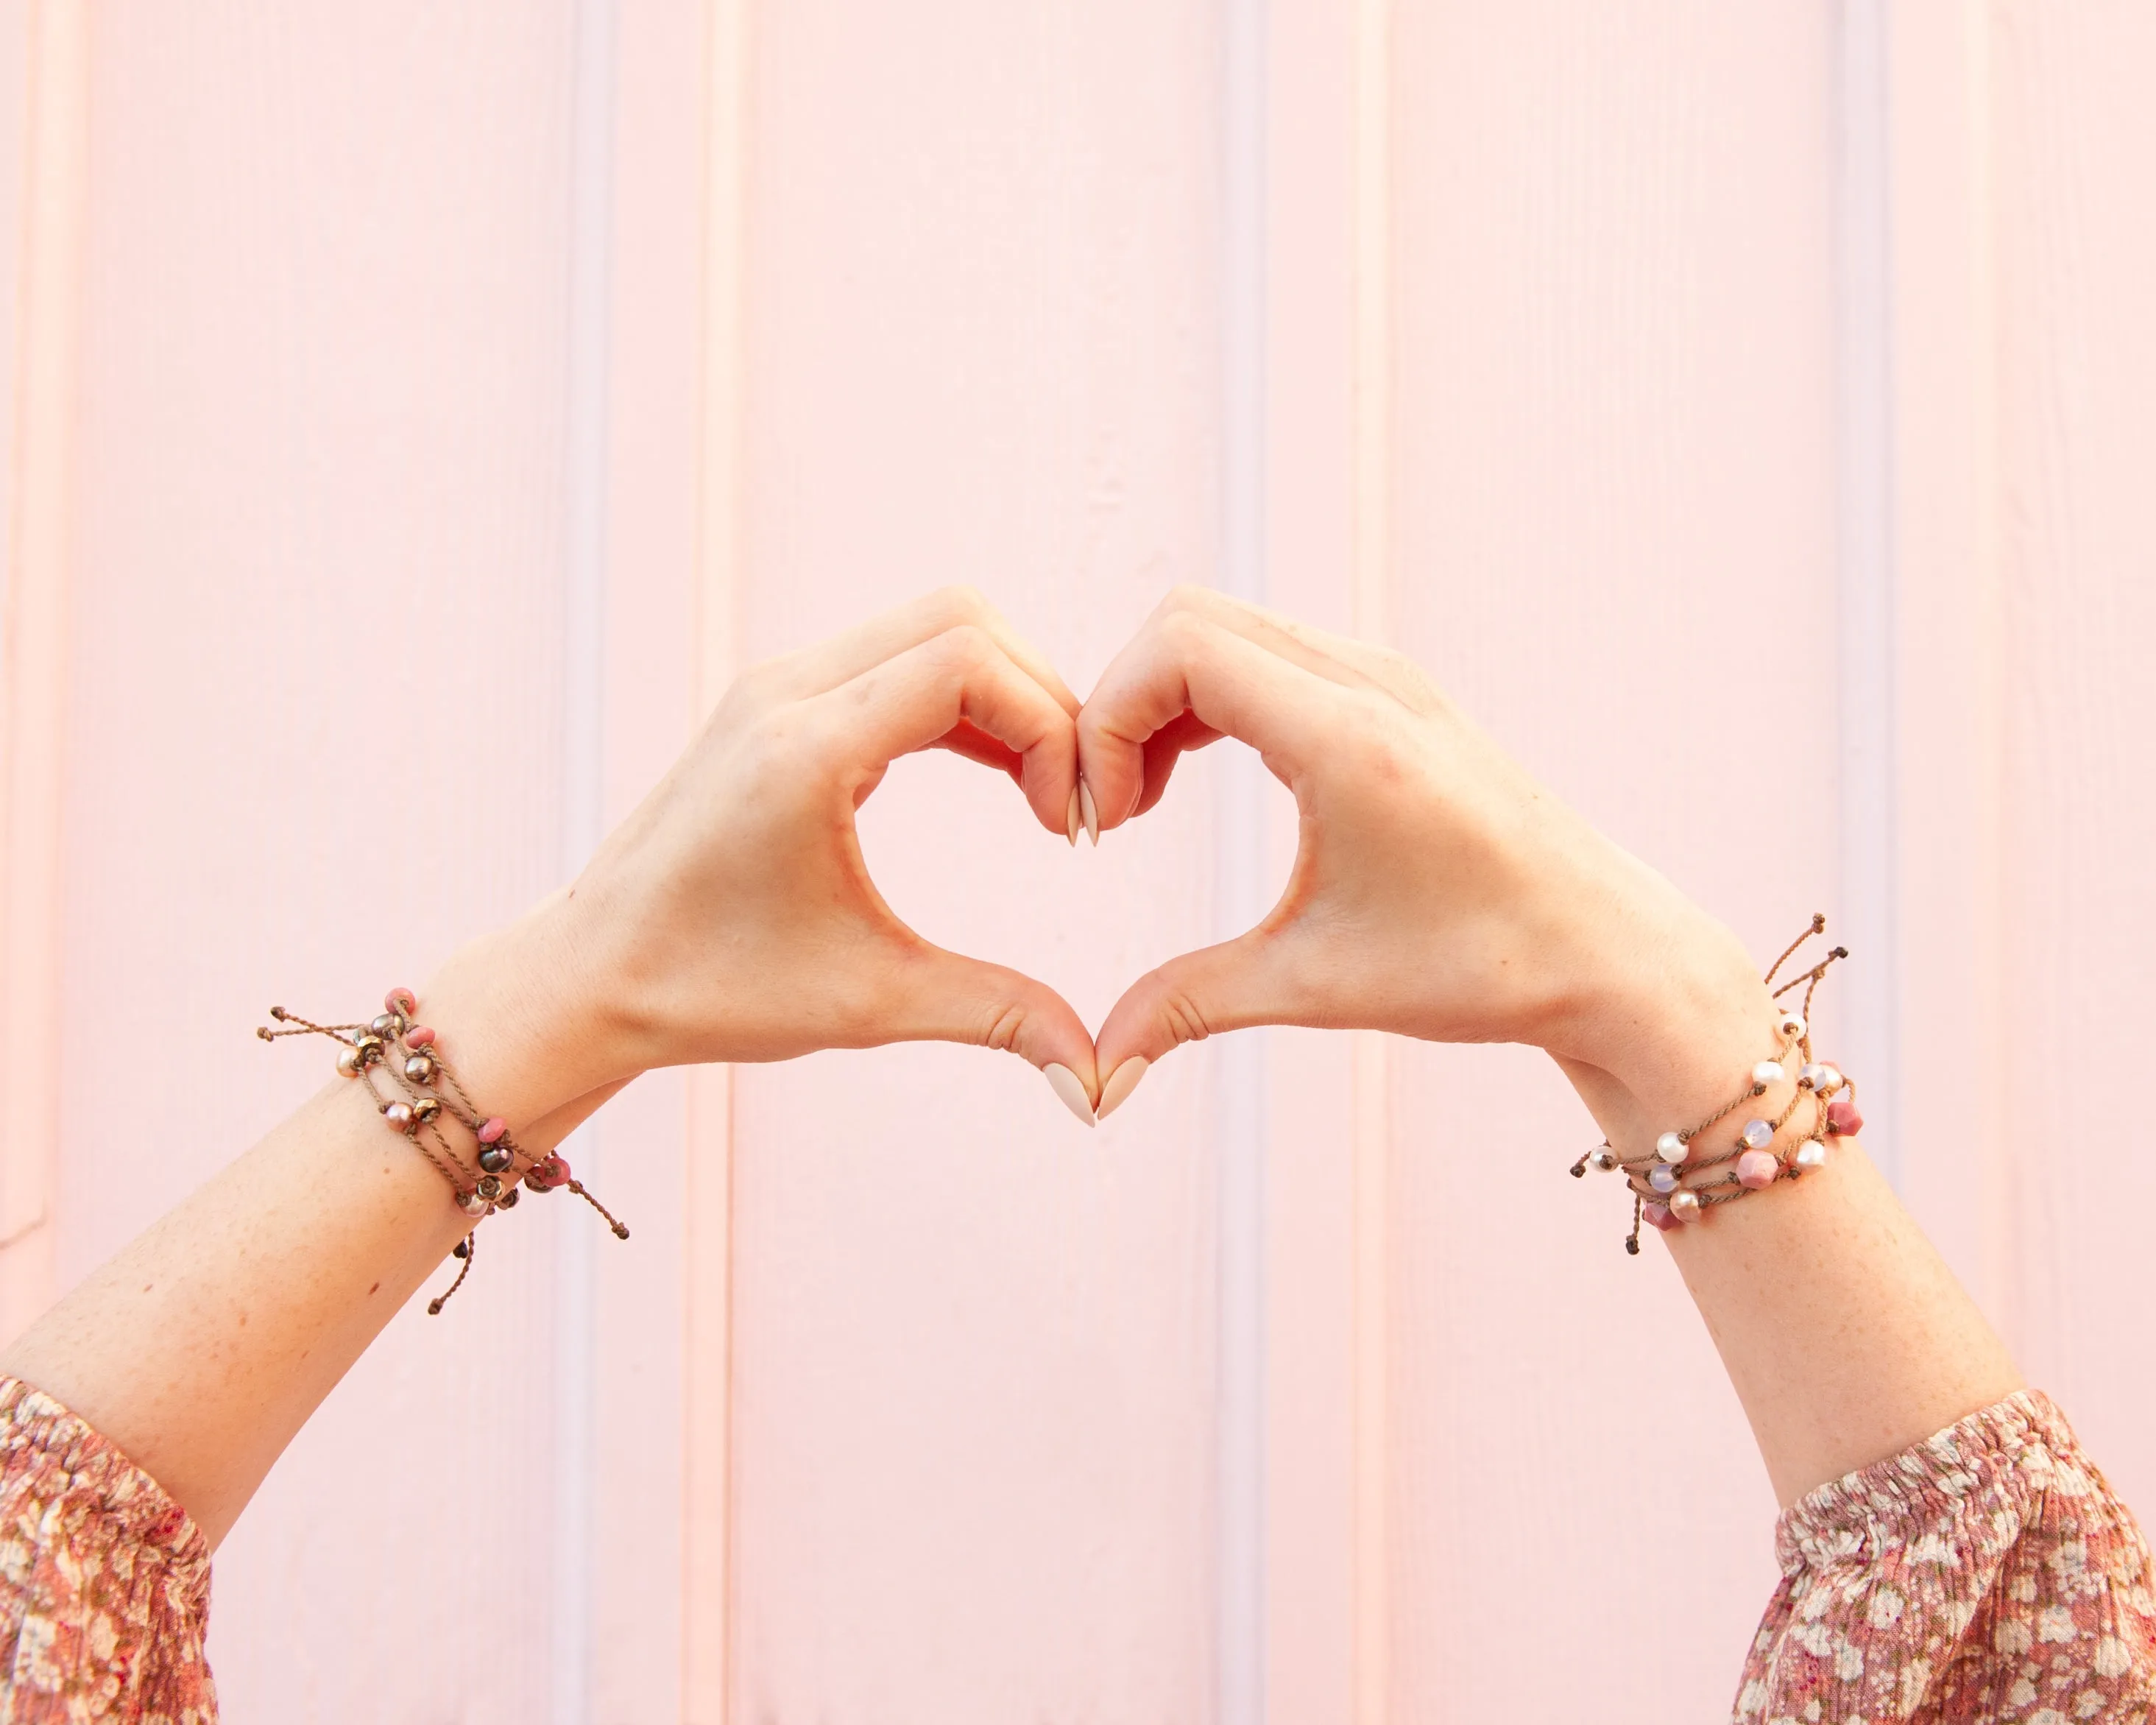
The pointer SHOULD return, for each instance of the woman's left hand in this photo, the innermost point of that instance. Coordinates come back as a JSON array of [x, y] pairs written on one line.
[[732, 917]]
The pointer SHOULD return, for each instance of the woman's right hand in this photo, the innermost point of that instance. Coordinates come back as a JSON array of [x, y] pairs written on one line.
[[1437, 891], [732, 917]]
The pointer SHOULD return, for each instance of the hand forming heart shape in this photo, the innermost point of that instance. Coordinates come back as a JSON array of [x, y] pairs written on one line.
[[1437, 891]]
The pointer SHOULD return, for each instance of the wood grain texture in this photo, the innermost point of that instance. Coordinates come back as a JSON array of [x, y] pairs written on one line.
[[1615, 483], [974, 1400]]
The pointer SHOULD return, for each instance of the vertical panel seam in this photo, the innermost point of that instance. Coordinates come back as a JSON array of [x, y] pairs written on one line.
[[1372, 195], [1867, 579], [1241, 1120], [707, 1551], [583, 670]]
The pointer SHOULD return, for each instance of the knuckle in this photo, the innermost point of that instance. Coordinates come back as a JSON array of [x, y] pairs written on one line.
[[1185, 598], [961, 601], [1005, 1025], [1181, 1015]]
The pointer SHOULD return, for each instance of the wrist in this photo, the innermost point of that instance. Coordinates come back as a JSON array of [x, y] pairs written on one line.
[[1670, 1035], [526, 1018]]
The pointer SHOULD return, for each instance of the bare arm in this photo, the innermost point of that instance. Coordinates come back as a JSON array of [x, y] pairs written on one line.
[[729, 918], [1439, 892]]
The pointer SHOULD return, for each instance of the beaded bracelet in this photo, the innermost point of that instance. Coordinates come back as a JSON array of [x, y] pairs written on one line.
[[419, 1111], [1663, 1197]]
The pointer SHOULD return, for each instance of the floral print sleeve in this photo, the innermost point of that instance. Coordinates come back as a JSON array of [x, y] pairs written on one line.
[[1986, 1574], [103, 1579]]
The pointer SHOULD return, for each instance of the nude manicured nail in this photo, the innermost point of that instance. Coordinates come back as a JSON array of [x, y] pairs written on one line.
[[1092, 814], [1120, 1083], [1071, 819], [1070, 1091]]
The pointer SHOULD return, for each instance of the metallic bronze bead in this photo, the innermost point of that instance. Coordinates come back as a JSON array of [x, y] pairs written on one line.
[[369, 1048], [507, 1201], [489, 1187], [427, 1109]]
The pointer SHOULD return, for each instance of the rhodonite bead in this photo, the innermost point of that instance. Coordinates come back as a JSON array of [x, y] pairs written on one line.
[[553, 1172], [1767, 1072], [1670, 1148], [1756, 1169], [495, 1128], [496, 1157], [1810, 1154], [419, 1036], [402, 1000], [1657, 1215], [1842, 1119], [1684, 1206], [1662, 1178], [1758, 1135]]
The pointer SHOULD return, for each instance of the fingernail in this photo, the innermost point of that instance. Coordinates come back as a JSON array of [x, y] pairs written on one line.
[[1120, 1083], [1092, 815], [1070, 819], [1065, 1083]]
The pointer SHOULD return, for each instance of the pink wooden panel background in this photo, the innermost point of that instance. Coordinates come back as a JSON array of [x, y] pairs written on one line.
[[519, 372]]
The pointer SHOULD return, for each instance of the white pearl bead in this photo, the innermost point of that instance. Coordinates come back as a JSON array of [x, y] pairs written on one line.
[[1792, 1026], [1758, 1135], [1605, 1160], [1810, 1154], [1765, 1073], [1670, 1148]]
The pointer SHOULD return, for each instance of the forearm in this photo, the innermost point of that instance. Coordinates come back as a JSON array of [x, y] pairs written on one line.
[[209, 1341], [1844, 1334]]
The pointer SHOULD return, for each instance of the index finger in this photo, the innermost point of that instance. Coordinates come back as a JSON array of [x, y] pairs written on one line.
[[1181, 663]]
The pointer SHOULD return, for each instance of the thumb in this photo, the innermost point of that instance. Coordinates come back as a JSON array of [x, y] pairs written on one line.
[[1231, 987], [950, 997]]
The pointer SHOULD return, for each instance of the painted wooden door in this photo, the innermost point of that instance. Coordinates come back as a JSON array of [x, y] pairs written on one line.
[[1735, 407]]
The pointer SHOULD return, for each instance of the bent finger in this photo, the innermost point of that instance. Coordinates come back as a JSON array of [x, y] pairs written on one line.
[[815, 670], [1183, 664], [947, 997], [960, 682], [1234, 986]]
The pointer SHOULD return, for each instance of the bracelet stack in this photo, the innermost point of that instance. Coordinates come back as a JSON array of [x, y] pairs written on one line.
[[1676, 1185], [424, 1097]]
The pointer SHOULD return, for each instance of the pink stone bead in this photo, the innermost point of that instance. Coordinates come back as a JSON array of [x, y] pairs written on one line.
[[1657, 1215], [492, 1130], [1842, 1119], [548, 1174], [1756, 1169], [402, 1000], [419, 1036]]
